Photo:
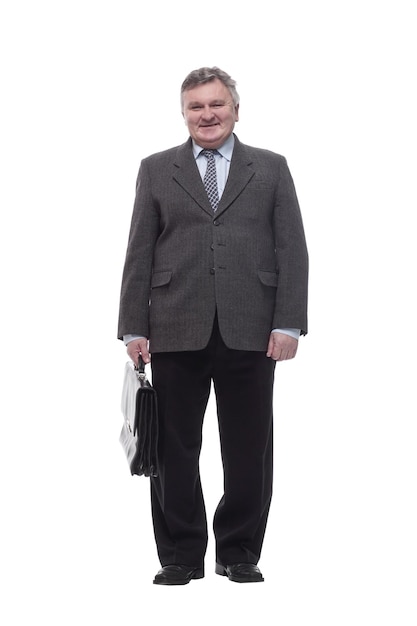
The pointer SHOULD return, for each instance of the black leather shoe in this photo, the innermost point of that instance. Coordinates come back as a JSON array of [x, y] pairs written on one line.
[[177, 575], [241, 572]]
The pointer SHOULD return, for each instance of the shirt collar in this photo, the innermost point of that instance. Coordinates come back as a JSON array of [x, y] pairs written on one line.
[[226, 150]]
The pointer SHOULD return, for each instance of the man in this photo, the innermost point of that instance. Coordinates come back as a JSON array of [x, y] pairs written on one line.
[[215, 287]]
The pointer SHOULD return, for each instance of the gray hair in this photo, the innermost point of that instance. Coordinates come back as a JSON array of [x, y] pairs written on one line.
[[206, 75]]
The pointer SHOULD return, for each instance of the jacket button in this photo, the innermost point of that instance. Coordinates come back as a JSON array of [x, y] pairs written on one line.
[[212, 271], [212, 246]]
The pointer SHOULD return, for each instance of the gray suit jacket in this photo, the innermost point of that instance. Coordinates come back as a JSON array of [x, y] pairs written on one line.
[[248, 260]]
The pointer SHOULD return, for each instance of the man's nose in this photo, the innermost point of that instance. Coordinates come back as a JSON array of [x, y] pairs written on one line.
[[208, 112]]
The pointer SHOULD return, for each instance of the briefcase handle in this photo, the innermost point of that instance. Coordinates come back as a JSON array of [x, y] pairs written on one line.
[[140, 368]]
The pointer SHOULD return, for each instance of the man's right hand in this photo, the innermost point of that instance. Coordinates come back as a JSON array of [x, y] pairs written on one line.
[[137, 347]]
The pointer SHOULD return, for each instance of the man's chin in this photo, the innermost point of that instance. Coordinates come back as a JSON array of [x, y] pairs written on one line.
[[210, 141]]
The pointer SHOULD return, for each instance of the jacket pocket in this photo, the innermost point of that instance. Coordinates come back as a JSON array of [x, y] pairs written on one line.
[[159, 279], [268, 278]]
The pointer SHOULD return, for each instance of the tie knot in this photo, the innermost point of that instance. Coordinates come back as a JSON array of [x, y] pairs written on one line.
[[208, 153]]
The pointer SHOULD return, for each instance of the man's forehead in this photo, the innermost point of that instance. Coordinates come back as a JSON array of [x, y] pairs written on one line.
[[210, 100]]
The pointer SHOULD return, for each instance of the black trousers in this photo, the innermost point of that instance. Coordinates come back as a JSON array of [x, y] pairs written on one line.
[[243, 385]]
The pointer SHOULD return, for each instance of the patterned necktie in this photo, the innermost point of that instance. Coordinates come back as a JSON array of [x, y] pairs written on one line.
[[210, 178]]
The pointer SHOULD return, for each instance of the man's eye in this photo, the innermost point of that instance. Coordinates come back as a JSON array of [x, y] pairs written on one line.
[[196, 107]]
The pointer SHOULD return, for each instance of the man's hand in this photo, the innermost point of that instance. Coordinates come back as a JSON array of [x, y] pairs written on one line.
[[282, 347], [137, 347]]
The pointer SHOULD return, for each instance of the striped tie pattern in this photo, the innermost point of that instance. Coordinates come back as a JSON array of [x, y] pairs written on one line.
[[210, 178]]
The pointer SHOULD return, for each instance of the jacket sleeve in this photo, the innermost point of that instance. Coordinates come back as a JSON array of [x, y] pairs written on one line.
[[292, 256], [136, 280]]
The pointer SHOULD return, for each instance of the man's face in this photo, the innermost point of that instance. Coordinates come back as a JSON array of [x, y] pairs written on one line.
[[209, 113]]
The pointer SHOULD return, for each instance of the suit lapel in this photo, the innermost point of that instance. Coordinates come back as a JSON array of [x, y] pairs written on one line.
[[188, 177], [240, 173]]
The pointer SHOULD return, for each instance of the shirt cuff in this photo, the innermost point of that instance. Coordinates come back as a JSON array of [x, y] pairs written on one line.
[[292, 332], [128, 338]]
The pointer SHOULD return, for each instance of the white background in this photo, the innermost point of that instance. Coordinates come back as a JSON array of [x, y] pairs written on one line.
[[88, 89]]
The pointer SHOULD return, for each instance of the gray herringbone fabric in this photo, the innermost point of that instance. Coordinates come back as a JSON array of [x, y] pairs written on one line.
[[247, 261], [210, 178]]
